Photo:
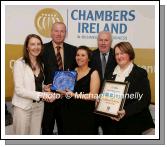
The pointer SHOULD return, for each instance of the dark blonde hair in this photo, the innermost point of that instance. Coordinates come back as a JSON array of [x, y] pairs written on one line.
[[26, 53], [126, 47]]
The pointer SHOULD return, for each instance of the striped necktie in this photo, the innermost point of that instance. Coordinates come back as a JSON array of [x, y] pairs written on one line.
[[59, 59]]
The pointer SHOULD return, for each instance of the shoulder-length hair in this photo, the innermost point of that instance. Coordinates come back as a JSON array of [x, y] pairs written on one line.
[[26, 53], [126, 47]]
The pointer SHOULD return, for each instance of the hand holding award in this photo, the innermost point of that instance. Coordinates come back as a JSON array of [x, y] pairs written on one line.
[[64, 80], [112, 98]]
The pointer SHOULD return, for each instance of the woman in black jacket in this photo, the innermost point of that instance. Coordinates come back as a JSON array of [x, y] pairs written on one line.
[[135, 116]]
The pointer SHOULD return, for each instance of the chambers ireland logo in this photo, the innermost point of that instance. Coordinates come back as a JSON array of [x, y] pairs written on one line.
[[44, 20]]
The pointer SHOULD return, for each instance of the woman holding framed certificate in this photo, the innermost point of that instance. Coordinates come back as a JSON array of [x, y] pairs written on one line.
[[135, 116]]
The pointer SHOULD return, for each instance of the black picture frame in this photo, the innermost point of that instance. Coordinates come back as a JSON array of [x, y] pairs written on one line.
[[111, 98]]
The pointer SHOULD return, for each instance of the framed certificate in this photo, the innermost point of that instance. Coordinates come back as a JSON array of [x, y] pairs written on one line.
[[112, 98], [64, 80]]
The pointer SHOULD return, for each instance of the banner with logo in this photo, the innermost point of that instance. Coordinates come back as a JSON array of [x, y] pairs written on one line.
[[133, 23]]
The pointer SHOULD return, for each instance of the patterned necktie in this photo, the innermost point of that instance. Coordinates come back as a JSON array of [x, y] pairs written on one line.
[[103, 63], [59, 59]]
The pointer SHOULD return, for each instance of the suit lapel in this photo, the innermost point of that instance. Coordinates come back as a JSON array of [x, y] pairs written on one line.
[[108, 63], [99, 65], [28, 72], [131, 75], [66, 54], [52, 54]]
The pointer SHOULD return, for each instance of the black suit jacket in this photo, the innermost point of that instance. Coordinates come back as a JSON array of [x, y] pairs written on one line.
[[96, 63], [50, 61], [138, 117]]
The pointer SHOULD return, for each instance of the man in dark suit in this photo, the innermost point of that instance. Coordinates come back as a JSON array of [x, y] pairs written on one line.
[[104, 62], [104, 51], [52, 63]]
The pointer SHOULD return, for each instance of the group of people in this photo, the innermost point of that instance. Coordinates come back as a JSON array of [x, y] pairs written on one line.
[[36, 108]]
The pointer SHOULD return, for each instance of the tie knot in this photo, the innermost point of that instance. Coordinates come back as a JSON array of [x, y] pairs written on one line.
[[104, 54], [58, 48]]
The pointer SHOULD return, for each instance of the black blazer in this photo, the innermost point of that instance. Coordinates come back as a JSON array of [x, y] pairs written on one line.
[[138, 117], [96, 63], [50, 61]]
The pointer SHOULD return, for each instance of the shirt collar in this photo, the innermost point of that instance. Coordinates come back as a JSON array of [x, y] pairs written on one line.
[[55, 45], [125, 73]]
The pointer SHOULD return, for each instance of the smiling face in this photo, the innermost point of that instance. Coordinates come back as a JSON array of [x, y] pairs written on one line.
[[34, 47], [121, 57], [58, 33], [104, 41], [82, 57]]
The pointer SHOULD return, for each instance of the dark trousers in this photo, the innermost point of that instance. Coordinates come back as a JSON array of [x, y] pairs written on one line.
[[52, 112]]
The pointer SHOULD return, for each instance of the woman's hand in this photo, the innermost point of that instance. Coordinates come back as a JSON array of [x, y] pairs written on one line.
[[50, 96], [46, 88], [61, 92], [69, 94], [121, 114], [97, 102]]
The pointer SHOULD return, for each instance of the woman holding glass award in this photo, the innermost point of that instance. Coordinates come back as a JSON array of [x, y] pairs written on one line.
[[135, 116], [79, 118], [28, 95]]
